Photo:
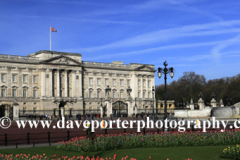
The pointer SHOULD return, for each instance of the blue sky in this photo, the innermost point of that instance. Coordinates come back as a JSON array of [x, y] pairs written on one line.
[[192, 35]]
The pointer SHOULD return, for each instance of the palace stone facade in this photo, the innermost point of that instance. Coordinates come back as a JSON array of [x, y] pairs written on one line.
[[49, 80]]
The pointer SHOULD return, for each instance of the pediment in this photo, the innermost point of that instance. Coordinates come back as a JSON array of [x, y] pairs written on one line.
[[14, 87], [35, 87], [3, 86], [145, 68], [25, 87], [61, 60]]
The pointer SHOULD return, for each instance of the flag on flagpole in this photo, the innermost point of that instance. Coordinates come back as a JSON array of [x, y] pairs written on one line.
[[53, 29]]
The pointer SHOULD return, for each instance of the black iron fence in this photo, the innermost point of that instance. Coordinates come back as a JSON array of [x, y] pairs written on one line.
[[158, 111], [88, 113], [57, 112]]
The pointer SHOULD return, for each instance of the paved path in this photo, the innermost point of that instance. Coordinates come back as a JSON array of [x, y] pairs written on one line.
[[28, 146]]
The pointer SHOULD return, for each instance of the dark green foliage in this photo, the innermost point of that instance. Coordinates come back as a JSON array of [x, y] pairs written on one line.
[[191, 84]]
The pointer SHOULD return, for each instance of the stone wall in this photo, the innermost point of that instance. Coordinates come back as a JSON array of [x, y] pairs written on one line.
[[193, 113]]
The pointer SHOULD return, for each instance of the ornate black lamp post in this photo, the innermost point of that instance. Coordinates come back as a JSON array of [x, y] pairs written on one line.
[[153, 91], [165, 71]]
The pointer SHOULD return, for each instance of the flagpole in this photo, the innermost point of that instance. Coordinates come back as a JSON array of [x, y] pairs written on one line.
[[50, 38]]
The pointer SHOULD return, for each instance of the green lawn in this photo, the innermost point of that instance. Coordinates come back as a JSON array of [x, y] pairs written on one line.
[[173, 153]]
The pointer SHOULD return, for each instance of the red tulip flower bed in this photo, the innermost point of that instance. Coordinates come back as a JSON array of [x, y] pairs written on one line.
[[171, 139], [55, 157]]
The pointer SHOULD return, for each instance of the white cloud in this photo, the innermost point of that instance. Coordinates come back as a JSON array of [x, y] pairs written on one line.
[[168, 47], [172, 33], [215, 51]]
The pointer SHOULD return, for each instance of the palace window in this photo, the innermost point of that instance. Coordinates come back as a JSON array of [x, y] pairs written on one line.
[[14, 78], [14, 93], [106, 81], [139, 83], [90, 94], [114, 94], [143, 94], [143, 83], [3, 92], [149, 82], [34, 79], [114, 82], [128, 82], [121, 94], [24, 93], [34, 93], [149, 94], [90, 81], [138, 94], [121, 82], [98, 82], [24, 78], [98, 94], [3, 77], [90, 109]]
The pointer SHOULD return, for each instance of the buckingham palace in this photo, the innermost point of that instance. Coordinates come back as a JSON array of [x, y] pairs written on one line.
[[60, 83]]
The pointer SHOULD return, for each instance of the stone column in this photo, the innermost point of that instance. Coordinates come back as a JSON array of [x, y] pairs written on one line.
[[66, 83], [43, 83], [74, 84], [214, 103], [20, 91], [15, 111], [9, 82], [191, 105], [80, 84], [30, 81], [49, 83], [109, 107], [58, 82], [201, 104], [130, 108]]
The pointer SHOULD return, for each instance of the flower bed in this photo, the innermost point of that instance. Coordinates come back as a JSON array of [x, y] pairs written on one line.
[[232, 152], [55, 157], [173, 139]]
